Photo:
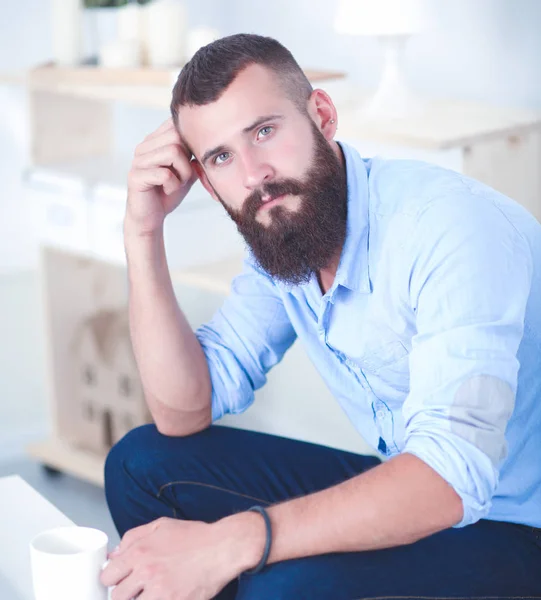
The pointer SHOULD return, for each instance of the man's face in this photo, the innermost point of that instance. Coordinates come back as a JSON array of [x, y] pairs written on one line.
[[273, 171]]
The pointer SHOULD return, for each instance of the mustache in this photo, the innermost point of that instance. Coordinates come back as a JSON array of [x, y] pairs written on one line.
[[272, 189]]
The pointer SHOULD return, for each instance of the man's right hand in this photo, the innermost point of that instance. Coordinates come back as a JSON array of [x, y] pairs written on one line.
[[159, 179]]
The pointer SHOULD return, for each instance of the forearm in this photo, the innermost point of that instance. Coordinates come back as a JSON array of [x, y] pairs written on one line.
[[395, 503], [171, 362]]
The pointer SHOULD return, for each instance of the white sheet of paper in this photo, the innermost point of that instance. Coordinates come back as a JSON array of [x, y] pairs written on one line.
[[23, 514]]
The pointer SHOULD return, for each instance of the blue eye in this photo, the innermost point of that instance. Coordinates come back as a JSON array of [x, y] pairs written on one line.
[[221, 158], [267, 129]]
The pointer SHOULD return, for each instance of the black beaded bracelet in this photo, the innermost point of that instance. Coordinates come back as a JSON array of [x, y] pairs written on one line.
[[268, 541]]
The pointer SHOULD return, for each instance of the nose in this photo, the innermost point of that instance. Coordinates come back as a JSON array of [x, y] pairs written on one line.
[[255, 171]]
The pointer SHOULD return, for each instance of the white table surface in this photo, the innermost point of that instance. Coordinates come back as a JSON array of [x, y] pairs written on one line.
[[23, 514]]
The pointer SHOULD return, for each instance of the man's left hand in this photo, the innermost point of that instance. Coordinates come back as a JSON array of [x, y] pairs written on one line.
[[170, 558]]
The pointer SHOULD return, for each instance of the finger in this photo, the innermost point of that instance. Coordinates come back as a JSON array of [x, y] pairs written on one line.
[[116, 571], [170, 136], [128, 588], [168, 124], [163, 154], [167, 156], [145, 179], [136, 533]]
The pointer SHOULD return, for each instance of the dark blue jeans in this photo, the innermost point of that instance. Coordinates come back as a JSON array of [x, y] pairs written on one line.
[[223, 470]]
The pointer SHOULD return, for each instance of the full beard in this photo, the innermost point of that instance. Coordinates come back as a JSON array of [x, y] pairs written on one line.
[[297, 244]]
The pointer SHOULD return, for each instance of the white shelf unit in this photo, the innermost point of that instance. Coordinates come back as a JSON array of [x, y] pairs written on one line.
[[80, 206]]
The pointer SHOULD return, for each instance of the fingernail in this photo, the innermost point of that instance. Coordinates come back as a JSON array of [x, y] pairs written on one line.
[[114, 552]]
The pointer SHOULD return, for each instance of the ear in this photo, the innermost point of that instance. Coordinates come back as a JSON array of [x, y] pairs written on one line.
[[323, 112], [196, 166]]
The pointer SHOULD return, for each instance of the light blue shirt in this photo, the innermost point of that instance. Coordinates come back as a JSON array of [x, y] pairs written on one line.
[[429, 338]]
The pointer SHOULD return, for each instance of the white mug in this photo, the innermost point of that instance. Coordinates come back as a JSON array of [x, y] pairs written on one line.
[[67, 563]]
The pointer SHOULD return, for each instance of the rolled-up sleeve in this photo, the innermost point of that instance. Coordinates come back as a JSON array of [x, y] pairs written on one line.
[[246, 337], [469, 285]]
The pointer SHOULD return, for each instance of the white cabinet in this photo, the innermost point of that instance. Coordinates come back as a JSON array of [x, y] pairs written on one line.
[[510, 164], [80, 214], [106, 222], [59, 211], [498, 146]]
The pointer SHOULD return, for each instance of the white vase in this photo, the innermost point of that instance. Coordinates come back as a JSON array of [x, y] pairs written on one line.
[[67, 32], [129, 22], [165, 31], [101, 25]]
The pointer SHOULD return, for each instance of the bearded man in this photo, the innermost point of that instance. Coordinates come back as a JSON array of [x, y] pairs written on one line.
[[415, 292]]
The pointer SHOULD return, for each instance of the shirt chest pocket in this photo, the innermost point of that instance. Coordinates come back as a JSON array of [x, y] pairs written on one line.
[[366, 331], [377, 350], [380, 351]]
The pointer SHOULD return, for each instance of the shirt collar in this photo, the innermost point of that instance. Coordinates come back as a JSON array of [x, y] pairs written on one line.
[[352, 272]]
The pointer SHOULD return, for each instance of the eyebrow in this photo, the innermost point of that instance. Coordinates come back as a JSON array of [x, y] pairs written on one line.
[[254, 125]]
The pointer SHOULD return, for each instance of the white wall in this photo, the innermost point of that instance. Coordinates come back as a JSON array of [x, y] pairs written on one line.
[[487, 50], [24, 40]]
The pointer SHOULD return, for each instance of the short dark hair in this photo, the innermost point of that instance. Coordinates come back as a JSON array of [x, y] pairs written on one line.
[[213, 68]]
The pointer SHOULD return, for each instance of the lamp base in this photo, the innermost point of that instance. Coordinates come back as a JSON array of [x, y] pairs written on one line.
[[393, 99]]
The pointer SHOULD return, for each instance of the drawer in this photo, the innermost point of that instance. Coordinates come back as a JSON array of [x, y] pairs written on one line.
[[197, 232], [59, 219], [106, 230], [510, 165]]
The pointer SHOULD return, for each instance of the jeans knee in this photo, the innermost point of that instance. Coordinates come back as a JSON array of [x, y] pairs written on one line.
[[141, 467]]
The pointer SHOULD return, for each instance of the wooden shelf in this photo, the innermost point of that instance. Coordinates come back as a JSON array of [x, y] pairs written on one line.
[[64, 457], [50, 75], [144, 96], [13, 78], [444, 124], [141, 87]]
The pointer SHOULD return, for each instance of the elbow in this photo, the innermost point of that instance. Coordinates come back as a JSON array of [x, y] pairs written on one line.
[[181, 422], [184, 424], [182, 430]]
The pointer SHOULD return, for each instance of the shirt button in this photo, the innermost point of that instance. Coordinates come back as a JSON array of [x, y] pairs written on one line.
[[380, 414]]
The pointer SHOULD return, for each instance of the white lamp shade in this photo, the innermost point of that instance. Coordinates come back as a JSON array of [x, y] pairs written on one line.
[[381, 17]]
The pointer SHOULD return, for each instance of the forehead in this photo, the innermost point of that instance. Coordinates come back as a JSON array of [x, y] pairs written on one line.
[[255, 92]]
